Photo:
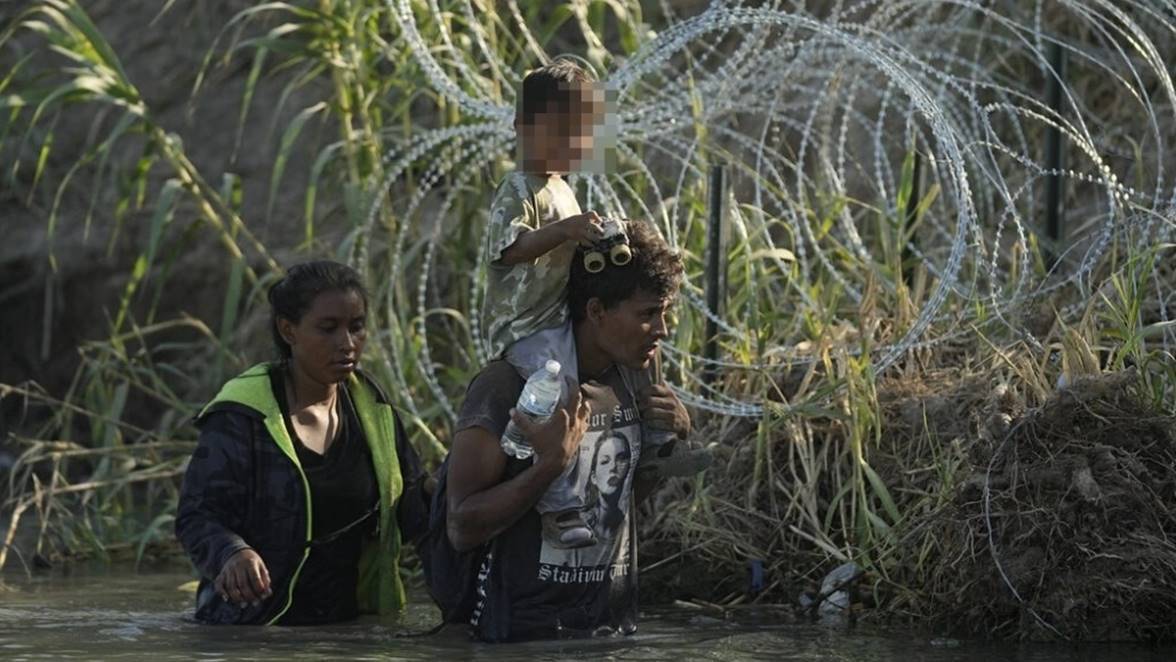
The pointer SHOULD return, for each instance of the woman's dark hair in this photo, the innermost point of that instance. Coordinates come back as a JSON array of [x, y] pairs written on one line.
[[613, 515], [292, 296], [654, 268]]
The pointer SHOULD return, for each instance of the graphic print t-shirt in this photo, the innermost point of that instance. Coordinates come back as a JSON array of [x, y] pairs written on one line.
[[528, 586]]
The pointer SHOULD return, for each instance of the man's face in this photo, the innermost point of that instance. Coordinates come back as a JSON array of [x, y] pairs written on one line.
[[631, 331]]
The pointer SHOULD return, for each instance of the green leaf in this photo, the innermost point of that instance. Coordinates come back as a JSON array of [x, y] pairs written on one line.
[[42, 158], [782, 254], [882, 493], [288, 139], [159, 528], [164, 211], [906, 185], [115, 411], [232, 192], [94, 38], [137, 273], [1156, 329], [16, 67], [316, 173], [104, 150], [247, 100], [232, 301]]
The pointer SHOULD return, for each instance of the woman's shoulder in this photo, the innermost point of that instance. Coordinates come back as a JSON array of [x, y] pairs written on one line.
[[249, 394], [252, 388], [227, 417]]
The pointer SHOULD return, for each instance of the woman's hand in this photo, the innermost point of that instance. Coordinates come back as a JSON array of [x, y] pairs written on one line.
[[662, 410], [557, 440], [244, 579]]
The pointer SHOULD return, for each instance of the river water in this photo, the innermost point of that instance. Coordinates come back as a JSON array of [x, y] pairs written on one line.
[[107, 613]]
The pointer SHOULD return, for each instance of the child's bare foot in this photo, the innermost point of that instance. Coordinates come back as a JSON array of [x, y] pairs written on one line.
[[674, 458]]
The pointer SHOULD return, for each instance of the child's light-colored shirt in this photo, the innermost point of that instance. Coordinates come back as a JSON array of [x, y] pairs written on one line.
[[527, 297]]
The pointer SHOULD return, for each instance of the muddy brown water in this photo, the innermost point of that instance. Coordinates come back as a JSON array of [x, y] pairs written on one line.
[[117, 613]]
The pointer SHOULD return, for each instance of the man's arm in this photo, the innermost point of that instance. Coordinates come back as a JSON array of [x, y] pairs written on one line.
[[481, 505]]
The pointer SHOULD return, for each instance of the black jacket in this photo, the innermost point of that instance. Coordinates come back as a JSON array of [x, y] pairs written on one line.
[[241, 490]]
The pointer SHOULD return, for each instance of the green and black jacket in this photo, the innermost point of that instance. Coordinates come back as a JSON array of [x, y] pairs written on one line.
[[244, 487]]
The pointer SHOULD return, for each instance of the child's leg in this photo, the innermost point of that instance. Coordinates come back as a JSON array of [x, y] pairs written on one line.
[[560, 510], [528, 355], [561, 505], [564, 492]]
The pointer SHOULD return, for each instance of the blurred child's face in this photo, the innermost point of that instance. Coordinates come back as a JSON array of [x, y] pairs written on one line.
[[559, 142]]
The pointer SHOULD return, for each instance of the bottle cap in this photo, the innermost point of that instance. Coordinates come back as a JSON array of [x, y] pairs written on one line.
[[552, 366]]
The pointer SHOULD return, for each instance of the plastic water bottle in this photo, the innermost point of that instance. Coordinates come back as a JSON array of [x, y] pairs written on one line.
[[538, 401]]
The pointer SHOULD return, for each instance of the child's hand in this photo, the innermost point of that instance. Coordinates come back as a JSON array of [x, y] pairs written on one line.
[[585, 229]]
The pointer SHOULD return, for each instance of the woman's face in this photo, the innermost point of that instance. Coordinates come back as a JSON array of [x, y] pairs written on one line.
[[612, 465], [327, 342]]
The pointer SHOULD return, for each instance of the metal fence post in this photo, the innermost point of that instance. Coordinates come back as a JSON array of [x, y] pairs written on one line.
[[715, 270], [912, 207], [1054, 158]]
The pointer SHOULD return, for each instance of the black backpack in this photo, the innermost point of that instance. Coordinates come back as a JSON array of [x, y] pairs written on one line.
[[452, 576]]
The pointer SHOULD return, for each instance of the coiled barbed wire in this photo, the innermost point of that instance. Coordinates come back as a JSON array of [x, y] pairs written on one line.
[[806, 109]]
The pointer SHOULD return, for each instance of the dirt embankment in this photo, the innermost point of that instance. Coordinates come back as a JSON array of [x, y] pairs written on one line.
[[50, 313], [1079, 519], [1061, 519]]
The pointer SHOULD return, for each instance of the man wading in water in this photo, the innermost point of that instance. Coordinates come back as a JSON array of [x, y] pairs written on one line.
[[526, 586]]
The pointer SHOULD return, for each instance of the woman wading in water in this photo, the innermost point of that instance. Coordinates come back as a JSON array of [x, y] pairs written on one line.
[[303, 486]]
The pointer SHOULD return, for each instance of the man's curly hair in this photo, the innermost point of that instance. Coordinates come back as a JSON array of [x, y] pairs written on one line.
[[655, 268]]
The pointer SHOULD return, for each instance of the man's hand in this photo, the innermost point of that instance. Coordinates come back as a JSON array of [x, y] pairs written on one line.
[[557, 440], [662, 410], [584, 229], [244, 579], [481, 503]]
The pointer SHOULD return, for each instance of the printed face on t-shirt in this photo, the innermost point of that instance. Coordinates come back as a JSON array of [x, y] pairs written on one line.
[[612, 464]]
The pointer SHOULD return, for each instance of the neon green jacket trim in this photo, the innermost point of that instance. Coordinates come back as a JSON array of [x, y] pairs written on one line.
[[380, 589]]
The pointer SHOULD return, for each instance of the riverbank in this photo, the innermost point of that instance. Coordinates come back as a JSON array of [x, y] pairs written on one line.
[[1004, 508]]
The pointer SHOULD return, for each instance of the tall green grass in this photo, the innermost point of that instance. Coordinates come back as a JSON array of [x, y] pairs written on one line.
[[818, 479]]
